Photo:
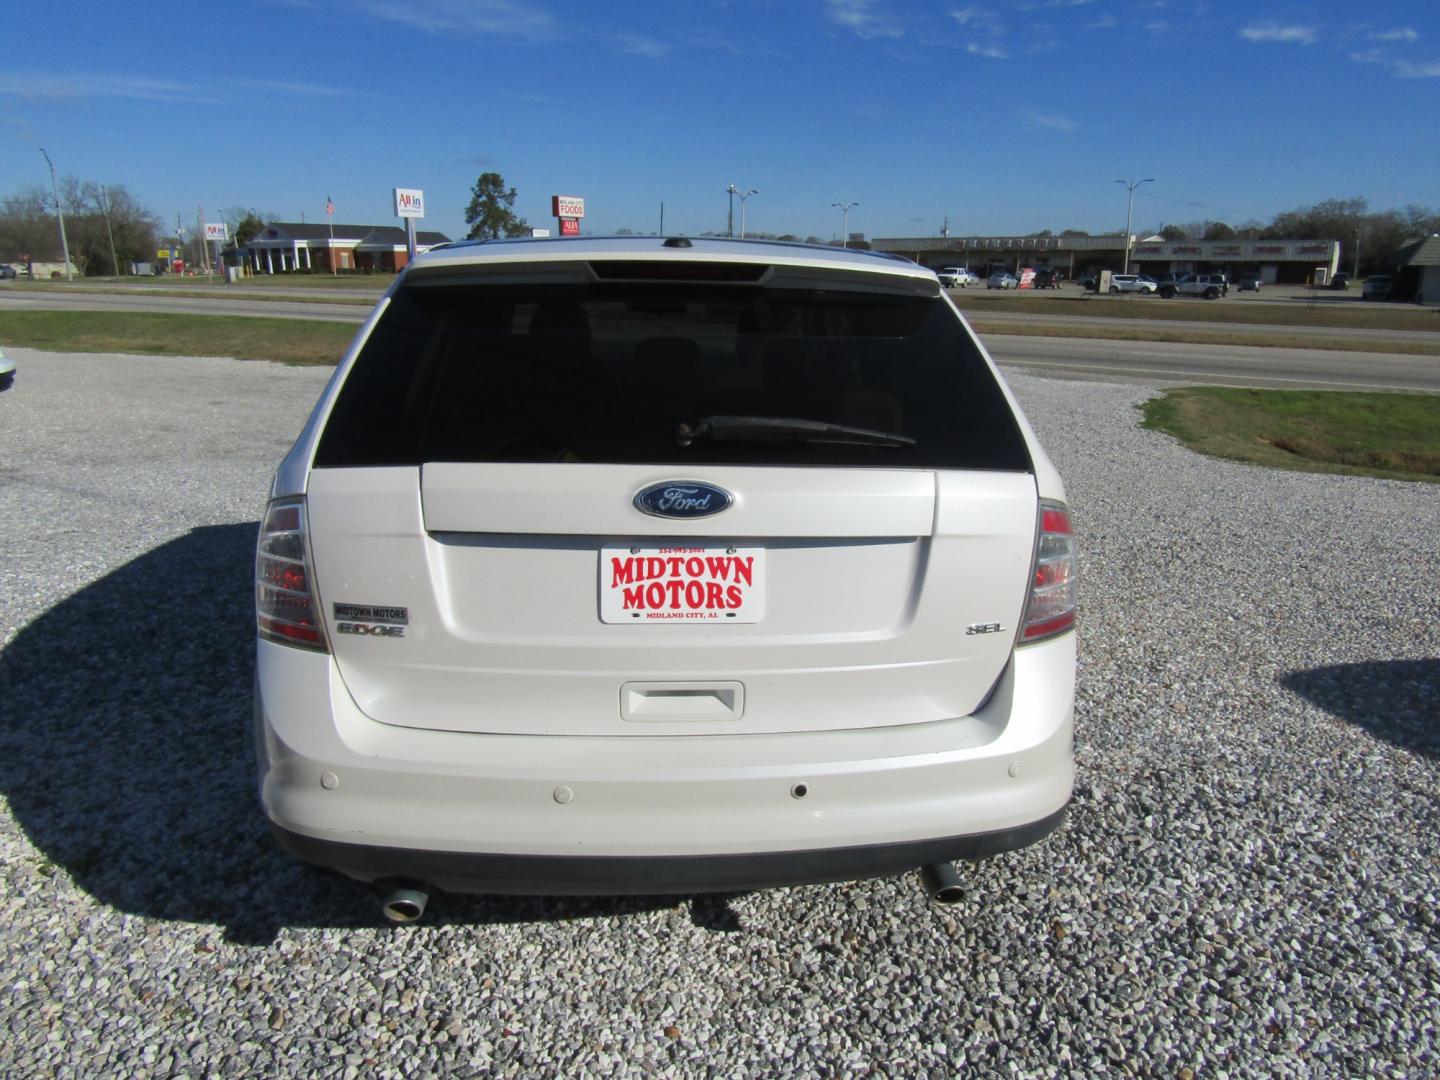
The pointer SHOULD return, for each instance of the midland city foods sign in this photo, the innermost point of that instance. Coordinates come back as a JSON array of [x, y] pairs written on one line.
[[568, 209]]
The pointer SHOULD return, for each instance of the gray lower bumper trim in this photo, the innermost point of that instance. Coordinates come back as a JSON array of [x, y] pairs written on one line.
[[596, 875]]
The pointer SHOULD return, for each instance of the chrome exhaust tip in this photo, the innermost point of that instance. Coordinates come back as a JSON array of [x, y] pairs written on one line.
[[405, 904], [942, 883]]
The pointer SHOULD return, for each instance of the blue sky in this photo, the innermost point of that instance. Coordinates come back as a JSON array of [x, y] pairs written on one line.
[[1008, 117]]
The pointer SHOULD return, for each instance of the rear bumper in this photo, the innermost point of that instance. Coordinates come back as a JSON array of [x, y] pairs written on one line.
[[571, 875], [643, 814]]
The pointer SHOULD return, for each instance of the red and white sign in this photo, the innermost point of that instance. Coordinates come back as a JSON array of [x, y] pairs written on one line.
[[215, 230], [409, 203], [682, 584], [569, 226], [563, 206], [1027, 277]]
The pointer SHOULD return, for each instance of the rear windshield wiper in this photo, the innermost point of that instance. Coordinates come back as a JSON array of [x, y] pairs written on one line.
[[783, 429]]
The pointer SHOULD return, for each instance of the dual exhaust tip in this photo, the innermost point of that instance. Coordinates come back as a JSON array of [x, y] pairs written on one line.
[[405, 903]]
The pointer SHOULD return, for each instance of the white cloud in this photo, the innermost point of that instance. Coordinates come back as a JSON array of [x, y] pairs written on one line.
[[1052, 121], [859, 17], [978, 19], [76, 87], [1406, 70], [87, 87], [1369, 56], [506, 18], [641, 45], [1290, 35], [311, 90], [990, 52], [1404, 33]]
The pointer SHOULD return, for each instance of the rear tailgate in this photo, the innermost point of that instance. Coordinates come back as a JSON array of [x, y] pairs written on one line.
[[875, 599]]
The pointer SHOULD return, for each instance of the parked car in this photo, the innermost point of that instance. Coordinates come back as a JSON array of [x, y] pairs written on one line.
[[1250, 283], [1136, 283], [1340, 281], [8, 272], [1047, 278], [7, 372], [1209, 286], [678, 566], [957, 277], [1002, 279], [1377, 287]]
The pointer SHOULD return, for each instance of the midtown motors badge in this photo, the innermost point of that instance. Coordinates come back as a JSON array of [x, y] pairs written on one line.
[[371, 620]]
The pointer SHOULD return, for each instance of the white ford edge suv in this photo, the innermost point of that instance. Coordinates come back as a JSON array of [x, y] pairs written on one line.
[[659, 565]]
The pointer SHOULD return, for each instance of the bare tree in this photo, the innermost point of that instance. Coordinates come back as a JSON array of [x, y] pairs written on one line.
[[28, 227], [94, 214]]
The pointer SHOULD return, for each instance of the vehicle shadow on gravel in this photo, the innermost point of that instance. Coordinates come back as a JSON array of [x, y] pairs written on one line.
[[127, 757], [1395, 700]]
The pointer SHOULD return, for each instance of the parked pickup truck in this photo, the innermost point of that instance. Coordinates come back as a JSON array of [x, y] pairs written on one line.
[[956, 277], [1210, 286]]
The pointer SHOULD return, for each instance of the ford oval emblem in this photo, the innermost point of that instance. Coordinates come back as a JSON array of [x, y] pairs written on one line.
[[682, 499]]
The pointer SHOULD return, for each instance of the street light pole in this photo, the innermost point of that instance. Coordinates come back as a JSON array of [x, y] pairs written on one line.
[[60, 213], [732, 191], [844, 221], [1130, 186], [746, 195]]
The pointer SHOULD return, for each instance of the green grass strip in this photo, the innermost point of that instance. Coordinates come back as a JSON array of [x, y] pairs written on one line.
[[288, 341], [1396, 436]]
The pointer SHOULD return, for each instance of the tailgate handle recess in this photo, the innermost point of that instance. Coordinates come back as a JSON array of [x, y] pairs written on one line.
[[663, 701]]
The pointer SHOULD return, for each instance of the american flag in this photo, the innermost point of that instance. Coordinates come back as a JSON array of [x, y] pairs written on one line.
[[329, 206]]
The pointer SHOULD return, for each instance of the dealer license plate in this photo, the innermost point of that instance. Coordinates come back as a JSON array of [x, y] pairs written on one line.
[[706, 585]]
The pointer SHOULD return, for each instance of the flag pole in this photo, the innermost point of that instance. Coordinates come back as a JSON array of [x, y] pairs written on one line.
[[330, 217]]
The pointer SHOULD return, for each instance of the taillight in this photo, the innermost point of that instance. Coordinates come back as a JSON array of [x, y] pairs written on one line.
[[285, 608], [1050, 609]]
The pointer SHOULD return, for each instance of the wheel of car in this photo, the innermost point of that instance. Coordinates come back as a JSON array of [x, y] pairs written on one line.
[[1167, 292], [1212, 293], [1114, 288]]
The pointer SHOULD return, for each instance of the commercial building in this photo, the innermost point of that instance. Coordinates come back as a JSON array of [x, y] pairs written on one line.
[[1276, 262], [1417, 270], [287, 246], [1294, 262]]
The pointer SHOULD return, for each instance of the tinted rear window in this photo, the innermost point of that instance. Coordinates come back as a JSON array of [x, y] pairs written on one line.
[[609, 372]]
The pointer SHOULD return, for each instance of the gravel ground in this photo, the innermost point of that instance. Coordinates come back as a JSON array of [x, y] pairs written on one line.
[[1246, 886]]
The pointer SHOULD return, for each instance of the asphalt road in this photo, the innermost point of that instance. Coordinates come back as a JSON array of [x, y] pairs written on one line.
[[181, 305], [1079, 358], [1159, 363], [1322, 332]]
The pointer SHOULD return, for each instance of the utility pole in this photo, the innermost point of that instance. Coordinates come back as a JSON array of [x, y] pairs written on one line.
[[200, 236], [109, 228], [732, 191], [60, 213], [1358, 229], [1130, 186], [845, 221], [662, 218]]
